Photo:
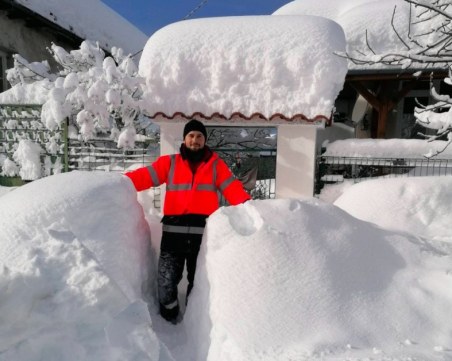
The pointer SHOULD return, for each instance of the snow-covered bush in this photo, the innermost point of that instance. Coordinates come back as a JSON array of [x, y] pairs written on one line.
[[27, 155], [98, 93]]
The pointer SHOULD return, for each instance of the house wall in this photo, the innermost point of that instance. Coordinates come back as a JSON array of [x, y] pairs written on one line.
[[29, 42]]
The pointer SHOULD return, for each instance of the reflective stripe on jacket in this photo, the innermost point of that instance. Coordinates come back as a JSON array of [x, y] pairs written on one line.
[[188, 193]]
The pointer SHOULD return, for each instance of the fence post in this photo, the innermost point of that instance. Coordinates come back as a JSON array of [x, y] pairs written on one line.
[[66, 145]]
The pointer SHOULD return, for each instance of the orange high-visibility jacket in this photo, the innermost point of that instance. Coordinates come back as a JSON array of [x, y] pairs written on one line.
[[188, 193]]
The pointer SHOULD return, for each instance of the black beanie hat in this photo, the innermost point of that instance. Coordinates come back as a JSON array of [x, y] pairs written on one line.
[[195, 125]]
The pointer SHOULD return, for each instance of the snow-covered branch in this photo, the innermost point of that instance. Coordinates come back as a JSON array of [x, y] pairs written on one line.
[[98, 94], [427, 40]]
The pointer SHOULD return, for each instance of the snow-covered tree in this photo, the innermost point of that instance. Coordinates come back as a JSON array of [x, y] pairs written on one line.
[[98, 93], [427, 40]]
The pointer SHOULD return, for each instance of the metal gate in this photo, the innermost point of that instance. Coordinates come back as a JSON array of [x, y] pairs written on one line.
[[250, 153]]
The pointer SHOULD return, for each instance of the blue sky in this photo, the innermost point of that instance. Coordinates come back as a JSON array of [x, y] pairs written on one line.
[[151, 15]]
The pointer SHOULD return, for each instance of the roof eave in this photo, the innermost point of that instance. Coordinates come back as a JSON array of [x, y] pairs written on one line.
[[238, 117], [392, 73], [35, 20]]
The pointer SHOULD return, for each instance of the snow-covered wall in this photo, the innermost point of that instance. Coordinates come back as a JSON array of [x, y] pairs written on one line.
[[270, 65]]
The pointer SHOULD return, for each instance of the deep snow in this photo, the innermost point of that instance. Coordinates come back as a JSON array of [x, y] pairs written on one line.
[[283, 279], [245, 64]]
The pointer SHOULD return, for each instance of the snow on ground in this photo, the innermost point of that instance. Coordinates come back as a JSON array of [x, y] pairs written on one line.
[[278, 280], [4, 190], [73, 255], [420, 205]]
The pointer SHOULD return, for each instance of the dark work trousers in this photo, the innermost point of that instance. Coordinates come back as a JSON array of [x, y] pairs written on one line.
[[176, 251]]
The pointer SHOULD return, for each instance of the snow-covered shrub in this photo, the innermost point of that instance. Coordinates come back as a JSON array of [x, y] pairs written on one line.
[[27, 155], [9, 168], [98, 94]]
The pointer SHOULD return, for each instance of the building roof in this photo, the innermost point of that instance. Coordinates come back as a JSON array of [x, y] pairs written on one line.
[[88, 20], [367, 22], [276, 68]]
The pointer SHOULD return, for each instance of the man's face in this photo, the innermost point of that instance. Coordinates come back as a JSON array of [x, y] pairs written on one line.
[[194, 140]]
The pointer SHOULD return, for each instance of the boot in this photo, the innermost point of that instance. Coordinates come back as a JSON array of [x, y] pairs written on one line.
[[170, 314]]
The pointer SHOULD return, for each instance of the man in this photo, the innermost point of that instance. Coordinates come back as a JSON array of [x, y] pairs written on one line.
[[193, 178]]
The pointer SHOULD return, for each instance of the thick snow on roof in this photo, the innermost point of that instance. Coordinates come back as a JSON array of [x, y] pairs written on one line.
[[356, 17], [90, 20], [271, 65], [388, 148]]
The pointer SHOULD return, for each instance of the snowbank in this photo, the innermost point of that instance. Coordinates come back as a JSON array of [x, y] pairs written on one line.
[[74, 254], [388, 148], [276, 280], [35, 93], [418, 205], [290, 279]]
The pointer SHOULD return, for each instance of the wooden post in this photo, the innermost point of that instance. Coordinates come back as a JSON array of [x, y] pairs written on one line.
[[384, 101], [66, 145]]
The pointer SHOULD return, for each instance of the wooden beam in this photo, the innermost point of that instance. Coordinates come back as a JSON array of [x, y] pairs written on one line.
[[405, 90], [383, 120], [437, 74], [361, 89], [383, 102]]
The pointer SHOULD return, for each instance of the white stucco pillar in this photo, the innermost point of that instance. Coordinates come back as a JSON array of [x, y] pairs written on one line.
[[295, 161], [170, 141]]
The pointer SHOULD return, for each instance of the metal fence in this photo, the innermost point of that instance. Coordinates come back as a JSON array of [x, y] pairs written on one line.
[[331, 170], [60, 152], [256, 168], [103, 154], [22, 122]]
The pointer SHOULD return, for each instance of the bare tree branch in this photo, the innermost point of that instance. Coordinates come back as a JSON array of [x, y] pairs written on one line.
[[428, 44], [395, 30], [435, 9]]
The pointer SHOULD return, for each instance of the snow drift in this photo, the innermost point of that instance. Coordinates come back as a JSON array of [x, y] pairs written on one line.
[[290, 279], [419, 205], [73, 255], [276, 280]]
